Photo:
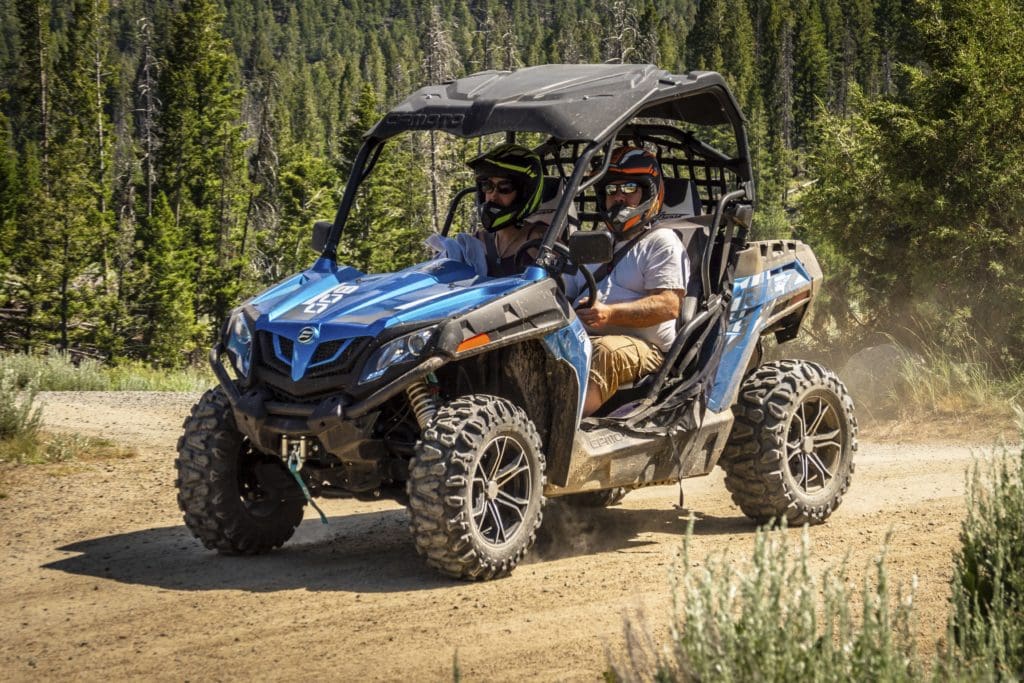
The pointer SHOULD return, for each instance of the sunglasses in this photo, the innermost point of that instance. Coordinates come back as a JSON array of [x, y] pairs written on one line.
[[501, 187], [623, 188]]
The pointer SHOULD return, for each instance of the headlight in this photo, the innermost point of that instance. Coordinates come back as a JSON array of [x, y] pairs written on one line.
[[240, 343], [407, 348]]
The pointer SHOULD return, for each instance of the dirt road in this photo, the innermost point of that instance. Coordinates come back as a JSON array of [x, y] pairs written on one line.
[[101, 580]]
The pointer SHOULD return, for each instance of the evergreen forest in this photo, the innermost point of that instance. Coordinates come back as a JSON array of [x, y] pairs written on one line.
[[162, 159]]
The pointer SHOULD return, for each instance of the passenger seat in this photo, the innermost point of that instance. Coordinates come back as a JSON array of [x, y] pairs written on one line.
[[682, 212]]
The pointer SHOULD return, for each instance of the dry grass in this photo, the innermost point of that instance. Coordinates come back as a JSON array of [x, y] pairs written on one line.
[[56, 372], [46, 448]]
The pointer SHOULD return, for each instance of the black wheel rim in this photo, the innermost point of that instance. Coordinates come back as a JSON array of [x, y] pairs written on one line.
[[814, 444], [252, 491], [500, 490]]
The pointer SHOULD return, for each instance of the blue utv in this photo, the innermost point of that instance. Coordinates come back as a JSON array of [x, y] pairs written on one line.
[[460, 395]]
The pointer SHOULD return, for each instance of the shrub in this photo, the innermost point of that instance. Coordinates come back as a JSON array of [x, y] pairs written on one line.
[[20, 417], [986, 631], [775, 621]]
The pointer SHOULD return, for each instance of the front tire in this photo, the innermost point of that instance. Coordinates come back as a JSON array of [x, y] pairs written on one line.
[[235, 500], [476, 488], [790, 453]]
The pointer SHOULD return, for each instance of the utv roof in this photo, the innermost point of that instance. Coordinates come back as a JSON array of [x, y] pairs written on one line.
[[584, 102]]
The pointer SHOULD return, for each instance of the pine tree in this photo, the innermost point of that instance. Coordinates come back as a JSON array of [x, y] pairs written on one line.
[[200, 158], [32, 94], [810, 68], [167, 299]]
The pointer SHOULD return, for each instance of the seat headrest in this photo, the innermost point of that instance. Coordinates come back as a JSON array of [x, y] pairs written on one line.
[[551, 194], [682, 199]]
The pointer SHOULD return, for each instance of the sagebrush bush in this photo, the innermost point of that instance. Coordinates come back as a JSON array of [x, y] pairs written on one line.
[[20, 416], [772, 620], [986, 633]]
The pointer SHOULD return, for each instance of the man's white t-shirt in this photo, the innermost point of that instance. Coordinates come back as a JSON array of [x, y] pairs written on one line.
[[657, 261]]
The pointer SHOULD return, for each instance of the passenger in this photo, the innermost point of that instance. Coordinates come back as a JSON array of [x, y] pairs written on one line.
[[633, 320], [509, 186]]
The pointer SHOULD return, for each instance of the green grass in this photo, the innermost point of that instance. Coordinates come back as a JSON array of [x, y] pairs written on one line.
[[20, 416], [773, 620], [55, 372]]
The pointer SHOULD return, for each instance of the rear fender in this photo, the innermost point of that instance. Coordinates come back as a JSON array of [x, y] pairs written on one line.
[[775, 284]]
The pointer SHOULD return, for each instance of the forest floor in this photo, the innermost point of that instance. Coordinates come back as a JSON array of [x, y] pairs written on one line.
[[101, 580]]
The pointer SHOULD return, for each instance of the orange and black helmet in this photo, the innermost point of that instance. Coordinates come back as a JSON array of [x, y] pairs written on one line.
[[636, 165]]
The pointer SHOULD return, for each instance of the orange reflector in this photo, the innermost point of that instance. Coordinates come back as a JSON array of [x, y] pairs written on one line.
[[474, 342]]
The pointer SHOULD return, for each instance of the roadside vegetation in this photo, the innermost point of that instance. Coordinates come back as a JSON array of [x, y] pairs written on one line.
[[22, 439], [986, 628], [956, 378], [56, 372], [772, 619]]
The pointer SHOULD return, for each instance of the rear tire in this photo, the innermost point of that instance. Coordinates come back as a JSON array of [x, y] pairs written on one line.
[[235, 500], [791, 450], [476, 488]]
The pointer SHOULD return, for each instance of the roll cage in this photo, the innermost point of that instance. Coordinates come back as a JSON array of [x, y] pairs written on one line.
[[583, 109]]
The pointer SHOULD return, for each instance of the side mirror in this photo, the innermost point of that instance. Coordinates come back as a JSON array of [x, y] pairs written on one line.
[[321, 230], [591, 246]]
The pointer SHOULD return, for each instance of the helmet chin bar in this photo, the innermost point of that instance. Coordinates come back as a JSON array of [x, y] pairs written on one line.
[[492, 211]]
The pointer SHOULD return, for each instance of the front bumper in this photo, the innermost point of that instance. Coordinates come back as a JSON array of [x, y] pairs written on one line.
[[343, 427]]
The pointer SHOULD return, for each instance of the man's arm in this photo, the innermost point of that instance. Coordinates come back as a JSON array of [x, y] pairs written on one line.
[[658, 306]]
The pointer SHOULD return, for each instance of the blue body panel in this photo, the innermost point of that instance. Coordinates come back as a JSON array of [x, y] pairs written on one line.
[[572, 344], [339, 302], [752, 302]]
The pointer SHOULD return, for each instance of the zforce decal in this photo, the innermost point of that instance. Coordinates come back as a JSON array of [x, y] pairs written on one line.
[[424, 121], [321, 302]]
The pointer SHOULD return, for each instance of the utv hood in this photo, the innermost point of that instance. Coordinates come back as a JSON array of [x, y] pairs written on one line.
[[342, 302]]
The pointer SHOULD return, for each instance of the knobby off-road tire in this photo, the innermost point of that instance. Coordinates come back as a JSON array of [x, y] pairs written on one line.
[[476, 488], [595, 499], [236, 501], [791, 450]]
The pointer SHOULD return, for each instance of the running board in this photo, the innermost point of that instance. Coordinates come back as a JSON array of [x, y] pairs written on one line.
[[607, 458]]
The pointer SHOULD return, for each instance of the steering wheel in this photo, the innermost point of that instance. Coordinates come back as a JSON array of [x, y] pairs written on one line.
[[589, 283]]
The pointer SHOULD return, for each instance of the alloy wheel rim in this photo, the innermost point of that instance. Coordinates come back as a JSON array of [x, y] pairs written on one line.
[[500, 490], [814, 444]]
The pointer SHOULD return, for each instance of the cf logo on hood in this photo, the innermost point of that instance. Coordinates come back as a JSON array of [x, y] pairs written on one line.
[[307, 335]]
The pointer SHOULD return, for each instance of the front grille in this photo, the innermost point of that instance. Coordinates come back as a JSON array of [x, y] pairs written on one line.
[[344, 360], [284, 347], [334, 359], [327, 351], [269, 354]]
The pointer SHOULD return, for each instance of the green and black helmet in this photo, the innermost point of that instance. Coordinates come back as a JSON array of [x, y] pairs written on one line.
[[523, 169]]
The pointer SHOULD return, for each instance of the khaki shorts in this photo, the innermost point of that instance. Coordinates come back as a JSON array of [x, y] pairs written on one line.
[[619, 359]]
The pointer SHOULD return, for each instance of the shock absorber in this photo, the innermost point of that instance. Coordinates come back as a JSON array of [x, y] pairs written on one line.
[[423, 404]]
